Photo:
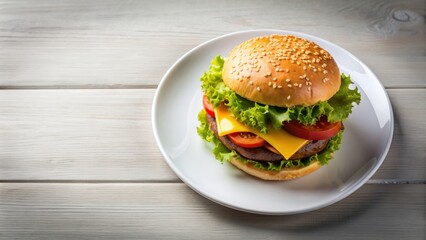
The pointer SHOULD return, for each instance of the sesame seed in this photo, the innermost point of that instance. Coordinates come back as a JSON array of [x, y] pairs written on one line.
[[269, 83], [295, 84], [287, 80], [251, 82], [279, 86], [300, 85], [258, 89], [325, 71], [289, 85], [274, 85], [309, 89], [288, 97]]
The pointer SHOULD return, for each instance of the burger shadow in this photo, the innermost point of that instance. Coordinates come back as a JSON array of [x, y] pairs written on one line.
[[329, 218], [365, 200]]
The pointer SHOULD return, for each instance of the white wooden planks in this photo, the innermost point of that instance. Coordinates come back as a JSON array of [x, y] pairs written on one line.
[[107, 135], [79, 134], [173, 211], [77, 155], [133, 43]]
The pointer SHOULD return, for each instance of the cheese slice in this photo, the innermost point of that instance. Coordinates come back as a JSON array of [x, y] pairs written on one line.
[[284, 142]]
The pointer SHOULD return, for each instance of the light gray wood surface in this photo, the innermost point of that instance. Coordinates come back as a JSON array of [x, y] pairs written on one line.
[[173, 211], [93, 134], [77, 154], [132, 43]]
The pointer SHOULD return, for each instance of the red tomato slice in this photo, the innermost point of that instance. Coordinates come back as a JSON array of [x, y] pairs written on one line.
[[321, 130], [246, 139], [208, 106]]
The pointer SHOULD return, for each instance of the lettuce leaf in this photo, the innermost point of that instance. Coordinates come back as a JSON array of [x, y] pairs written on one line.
[[223, 154], [261, 116], [341, 103]]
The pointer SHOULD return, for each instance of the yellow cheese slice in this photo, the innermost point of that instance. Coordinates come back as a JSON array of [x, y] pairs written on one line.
[[281, 140]]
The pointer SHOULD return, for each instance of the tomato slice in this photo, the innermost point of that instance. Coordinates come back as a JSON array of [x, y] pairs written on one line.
[[208, 106], [321, 130], [246, 139]]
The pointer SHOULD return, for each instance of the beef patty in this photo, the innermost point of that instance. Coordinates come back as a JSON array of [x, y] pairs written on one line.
[[263, 154]]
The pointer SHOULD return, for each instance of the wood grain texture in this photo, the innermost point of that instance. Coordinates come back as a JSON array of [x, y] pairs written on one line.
[[79, 134], [173, 211], [107, 135], [77, 155], [133, 43]]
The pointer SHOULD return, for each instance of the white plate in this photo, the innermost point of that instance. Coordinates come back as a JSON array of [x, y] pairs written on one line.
[[366, 140]]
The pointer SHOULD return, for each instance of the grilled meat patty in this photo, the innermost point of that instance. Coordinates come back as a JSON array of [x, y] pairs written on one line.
[[263, 154]]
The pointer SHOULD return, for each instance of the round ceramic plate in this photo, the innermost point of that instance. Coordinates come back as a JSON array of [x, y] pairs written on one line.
[[366, 140]]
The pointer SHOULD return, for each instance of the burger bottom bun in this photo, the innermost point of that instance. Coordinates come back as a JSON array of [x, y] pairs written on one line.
[[284, 174]]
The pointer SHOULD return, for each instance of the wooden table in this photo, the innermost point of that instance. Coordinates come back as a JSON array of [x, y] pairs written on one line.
[[77, 155]]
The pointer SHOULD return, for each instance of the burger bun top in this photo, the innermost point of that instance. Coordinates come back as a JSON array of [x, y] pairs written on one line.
[[281, 70]]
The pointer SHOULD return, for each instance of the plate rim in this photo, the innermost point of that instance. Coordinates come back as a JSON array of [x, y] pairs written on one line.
[[351, 188]]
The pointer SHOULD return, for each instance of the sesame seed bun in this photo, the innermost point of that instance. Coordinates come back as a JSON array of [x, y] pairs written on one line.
[[283, 175], [281, 70]]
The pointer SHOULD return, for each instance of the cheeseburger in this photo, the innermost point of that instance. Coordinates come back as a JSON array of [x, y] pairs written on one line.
[[274, 107]]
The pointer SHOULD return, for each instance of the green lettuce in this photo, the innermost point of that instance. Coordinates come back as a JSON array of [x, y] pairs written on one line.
[[261, 116], [223, 154]]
